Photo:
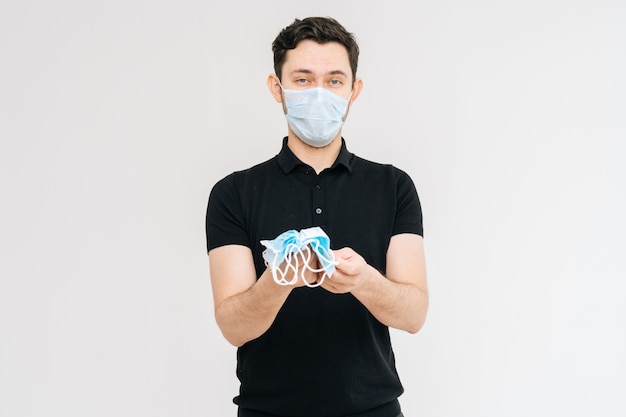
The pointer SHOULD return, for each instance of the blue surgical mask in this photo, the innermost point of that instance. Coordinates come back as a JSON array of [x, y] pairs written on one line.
[[315, 114]]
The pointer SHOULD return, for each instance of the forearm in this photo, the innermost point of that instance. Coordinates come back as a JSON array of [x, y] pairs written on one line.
[[399, 305], [245, 316]]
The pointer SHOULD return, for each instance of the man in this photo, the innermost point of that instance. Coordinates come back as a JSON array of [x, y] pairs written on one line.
[[323, 351]]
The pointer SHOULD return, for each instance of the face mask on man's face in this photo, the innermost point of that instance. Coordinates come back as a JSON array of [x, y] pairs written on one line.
[[315, 114]]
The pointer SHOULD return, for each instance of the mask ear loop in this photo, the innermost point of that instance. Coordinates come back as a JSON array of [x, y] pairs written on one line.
[[330, 259], [307, 265], [279, 275]]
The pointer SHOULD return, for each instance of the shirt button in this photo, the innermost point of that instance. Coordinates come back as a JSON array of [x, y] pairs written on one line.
[[317, 187], [318, 211]]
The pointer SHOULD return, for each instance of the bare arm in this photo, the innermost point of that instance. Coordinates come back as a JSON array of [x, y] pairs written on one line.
[[399, 299], [244, 306]]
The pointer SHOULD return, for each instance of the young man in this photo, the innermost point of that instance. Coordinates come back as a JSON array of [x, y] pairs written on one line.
[[319, 346]]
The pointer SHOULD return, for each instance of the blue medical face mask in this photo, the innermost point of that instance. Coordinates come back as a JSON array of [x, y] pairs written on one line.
[[315, 114]]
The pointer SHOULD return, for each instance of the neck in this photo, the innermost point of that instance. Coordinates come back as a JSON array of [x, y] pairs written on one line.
[[317, 158]]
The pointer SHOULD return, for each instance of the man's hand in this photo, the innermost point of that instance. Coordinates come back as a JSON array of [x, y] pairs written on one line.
[[351, 271]]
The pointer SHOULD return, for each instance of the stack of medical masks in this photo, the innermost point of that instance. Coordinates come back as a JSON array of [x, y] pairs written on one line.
[[295, 249]]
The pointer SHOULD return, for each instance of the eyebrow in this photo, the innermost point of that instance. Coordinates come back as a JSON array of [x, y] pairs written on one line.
[[307, 71]]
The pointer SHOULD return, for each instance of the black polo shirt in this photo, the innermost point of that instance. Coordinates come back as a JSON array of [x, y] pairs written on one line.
[[325, 354]]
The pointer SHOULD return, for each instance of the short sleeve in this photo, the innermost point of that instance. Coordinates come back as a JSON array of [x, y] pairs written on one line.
[[225, 223], [408, 208]]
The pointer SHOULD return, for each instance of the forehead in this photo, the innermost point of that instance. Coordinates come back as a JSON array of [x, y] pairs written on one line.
[[317, 58]]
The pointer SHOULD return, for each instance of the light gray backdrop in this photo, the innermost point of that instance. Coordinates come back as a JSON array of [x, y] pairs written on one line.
[[117, 117]]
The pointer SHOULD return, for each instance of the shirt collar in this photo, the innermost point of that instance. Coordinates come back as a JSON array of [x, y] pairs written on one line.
[[288, 161]]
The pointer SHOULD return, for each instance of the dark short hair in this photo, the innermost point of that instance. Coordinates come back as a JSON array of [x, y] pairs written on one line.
[[318, 29]]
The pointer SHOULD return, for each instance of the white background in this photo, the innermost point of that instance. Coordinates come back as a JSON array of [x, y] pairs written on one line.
[[117, 117]]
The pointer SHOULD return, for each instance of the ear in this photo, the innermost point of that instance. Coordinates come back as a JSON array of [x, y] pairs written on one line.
[[273, 83], [356, 90]]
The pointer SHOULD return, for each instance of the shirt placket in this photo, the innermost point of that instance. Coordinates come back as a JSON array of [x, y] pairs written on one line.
[[319, 204]]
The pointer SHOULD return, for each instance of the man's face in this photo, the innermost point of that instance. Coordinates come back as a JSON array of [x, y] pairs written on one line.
[[312, 64]]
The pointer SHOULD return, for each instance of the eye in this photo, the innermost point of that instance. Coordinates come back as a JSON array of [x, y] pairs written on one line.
[[301, 81], [335, 83]]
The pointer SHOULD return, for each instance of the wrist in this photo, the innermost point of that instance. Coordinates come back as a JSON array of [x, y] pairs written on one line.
[[369, 283]]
